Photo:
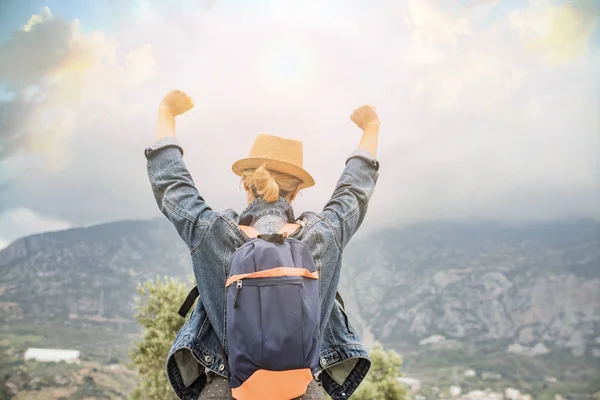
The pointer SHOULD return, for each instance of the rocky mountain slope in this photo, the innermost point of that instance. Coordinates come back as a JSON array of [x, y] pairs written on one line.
[[87, 272], [529, 288]]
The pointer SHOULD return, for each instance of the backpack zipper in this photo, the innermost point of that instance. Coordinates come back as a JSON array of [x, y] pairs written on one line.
[[270, 281], [237, 293], [291, 280]]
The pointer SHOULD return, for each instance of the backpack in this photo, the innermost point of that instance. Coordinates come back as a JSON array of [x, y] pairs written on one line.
[[273, 313]]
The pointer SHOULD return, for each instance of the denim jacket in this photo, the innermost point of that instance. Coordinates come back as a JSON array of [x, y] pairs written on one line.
[[212, 237]]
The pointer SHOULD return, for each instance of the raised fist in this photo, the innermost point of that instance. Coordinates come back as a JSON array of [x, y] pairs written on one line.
[[365, 116], [176, 102]]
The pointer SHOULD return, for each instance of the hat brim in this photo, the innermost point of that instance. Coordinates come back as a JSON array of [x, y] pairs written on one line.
[[274, 165]]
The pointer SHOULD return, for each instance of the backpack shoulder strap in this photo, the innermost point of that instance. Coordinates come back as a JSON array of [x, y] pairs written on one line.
[[249, 231], [189, 302]]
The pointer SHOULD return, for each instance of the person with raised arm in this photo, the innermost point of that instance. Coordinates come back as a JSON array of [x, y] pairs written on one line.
[[200, 362]]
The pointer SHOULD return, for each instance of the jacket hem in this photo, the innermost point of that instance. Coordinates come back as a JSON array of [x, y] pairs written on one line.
[[338, 355], [176, 380]]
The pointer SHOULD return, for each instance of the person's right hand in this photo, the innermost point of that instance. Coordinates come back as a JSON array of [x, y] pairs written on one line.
[[176, 103], [365, 116]]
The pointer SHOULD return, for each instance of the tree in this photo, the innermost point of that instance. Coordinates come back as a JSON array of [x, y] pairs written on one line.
[[156, 311], [381, 383]]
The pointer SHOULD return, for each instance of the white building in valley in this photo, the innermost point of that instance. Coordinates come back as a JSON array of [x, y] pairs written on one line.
[[52, 355], [512, 394], [412, 384], [455, 391]]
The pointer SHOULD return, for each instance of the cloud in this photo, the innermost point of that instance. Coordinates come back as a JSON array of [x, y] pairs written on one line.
[[35, 51], [488, 110], [503, 133], [19, 222], [61, 78], [558, 32]]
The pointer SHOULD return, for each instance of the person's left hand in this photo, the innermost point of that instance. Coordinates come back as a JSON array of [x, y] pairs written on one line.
[[365, 116]]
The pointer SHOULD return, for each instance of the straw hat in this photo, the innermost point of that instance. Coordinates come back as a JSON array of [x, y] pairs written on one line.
[[277, 154]]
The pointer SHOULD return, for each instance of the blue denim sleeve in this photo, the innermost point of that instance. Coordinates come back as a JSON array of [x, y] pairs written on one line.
[[174, 190], [347, 206]]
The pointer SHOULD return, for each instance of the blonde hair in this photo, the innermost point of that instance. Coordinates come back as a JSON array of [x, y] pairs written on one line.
[[270, 185]]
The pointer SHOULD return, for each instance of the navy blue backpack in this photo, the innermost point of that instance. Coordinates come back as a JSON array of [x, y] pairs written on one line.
[[273, 312]]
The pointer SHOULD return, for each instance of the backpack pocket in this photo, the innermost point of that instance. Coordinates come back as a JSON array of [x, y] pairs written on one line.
[[267, 318], [270, 323]]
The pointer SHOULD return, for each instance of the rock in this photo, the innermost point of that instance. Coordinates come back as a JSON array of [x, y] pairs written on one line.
[[455, 391], [60, 380], [35, 383], [539, 349], [495, 283], [516, 348], [445, 278], [432, 340], [526, 335], [12, 388], [470, 373]]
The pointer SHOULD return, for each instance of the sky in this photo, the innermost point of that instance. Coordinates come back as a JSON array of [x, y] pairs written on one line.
[[489, 108]]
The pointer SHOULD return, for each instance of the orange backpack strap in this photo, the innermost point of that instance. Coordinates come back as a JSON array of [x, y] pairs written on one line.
[[290, 229], [249, 231]]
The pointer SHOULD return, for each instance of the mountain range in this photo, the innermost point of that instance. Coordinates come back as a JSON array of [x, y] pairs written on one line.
[[519, 301]]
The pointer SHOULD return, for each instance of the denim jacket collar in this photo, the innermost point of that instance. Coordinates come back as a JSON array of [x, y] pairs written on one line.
[[260, 208]]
